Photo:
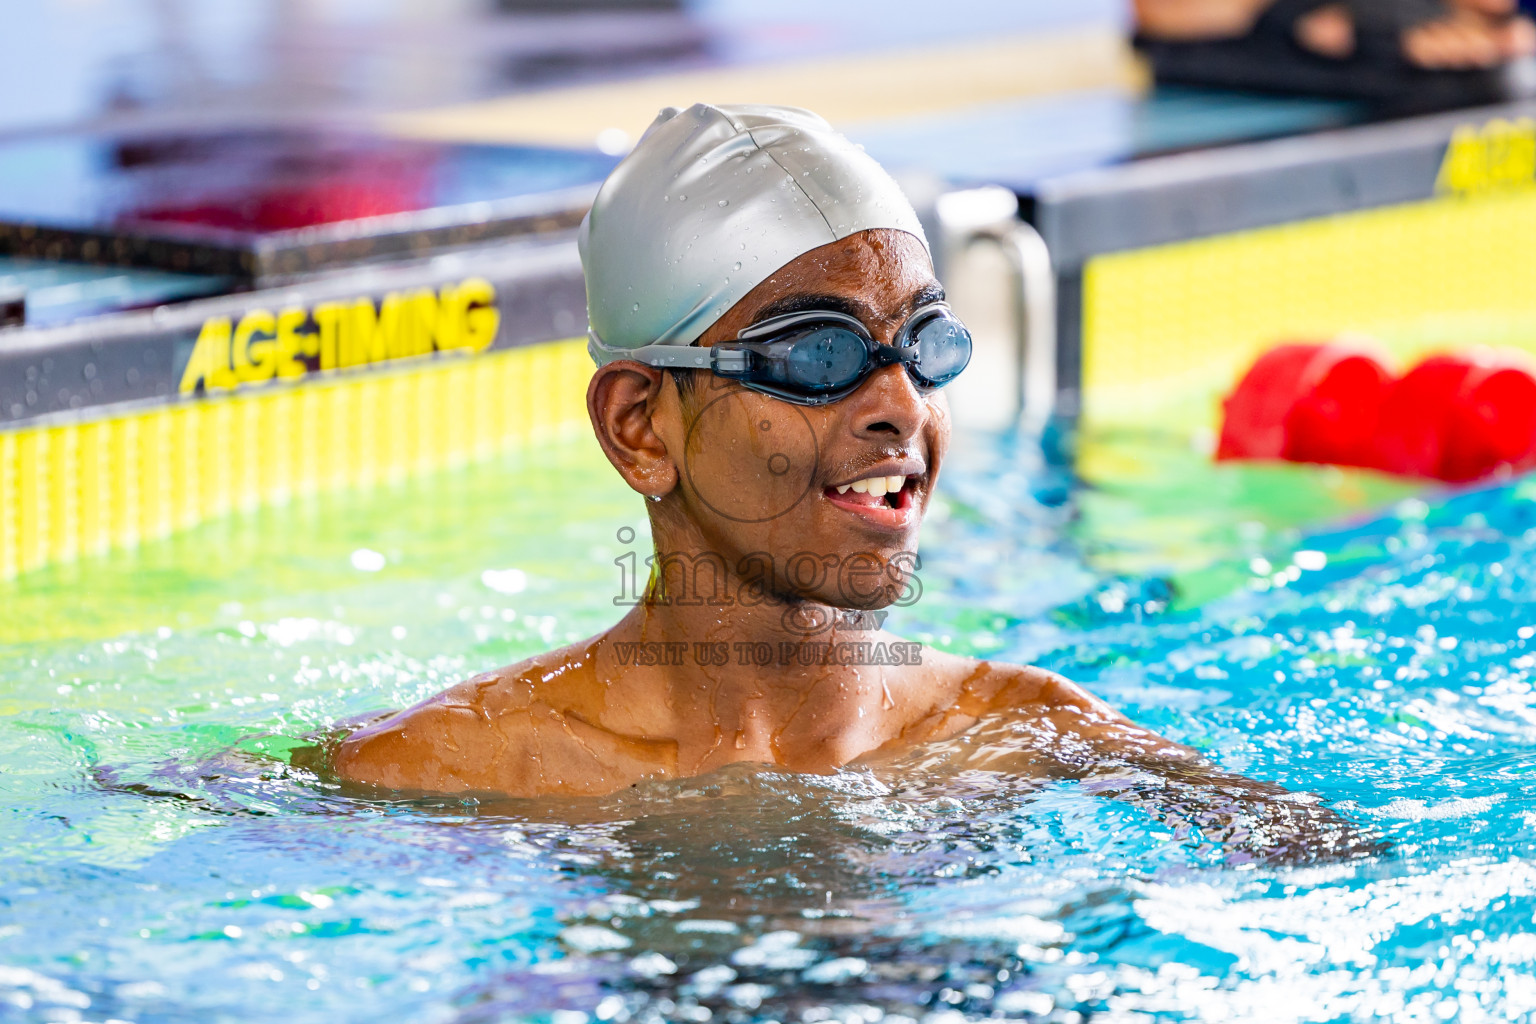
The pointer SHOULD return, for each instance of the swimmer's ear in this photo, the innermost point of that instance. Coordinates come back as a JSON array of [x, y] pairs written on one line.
[[623, 400]]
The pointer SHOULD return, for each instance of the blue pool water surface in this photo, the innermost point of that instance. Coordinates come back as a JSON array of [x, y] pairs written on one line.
[[161, 859]]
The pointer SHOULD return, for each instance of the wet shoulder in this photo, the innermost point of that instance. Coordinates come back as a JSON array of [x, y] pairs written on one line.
[[950, 693], [1053, 710], [505, 732], [978, 686]]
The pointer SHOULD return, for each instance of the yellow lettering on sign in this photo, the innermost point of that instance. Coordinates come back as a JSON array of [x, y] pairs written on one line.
[[209, 365], [263, 346], [292, 344], [389, 336], [426, 323], [481, 319], [360, 337], [328, 319], [254, 360], [1498, 155]]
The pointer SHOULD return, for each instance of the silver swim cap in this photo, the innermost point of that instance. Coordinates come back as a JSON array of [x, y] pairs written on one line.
[[711, 202]]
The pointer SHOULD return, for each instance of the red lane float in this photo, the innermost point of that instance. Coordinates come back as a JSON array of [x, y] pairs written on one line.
[[1460, 418], [1307, 403], [1453, 417]]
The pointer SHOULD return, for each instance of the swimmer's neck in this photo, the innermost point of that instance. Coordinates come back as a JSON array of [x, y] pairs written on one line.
[[699, 592], [754, 706], [749, 664]]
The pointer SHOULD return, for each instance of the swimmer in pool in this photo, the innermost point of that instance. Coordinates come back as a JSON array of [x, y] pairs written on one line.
[[772, 349]]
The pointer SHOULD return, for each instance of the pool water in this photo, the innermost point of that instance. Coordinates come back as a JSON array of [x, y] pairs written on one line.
[[162, 860]]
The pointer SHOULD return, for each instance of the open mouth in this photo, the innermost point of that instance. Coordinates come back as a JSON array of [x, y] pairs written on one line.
[[876, 492]]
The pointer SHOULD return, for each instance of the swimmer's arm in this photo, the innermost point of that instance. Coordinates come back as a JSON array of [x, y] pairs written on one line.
[[445, 744], [486, 736], [1115, 757], [481, 736], [1253, 820]]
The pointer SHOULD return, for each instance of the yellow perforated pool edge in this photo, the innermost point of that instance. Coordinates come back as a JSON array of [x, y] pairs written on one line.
[[92, 485], [1167, 330]]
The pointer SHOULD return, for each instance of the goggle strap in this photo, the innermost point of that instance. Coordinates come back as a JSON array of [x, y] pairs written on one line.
[[668, 357]]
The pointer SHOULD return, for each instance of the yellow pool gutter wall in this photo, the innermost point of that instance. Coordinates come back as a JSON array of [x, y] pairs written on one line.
[[1168, 330], [91, 484]]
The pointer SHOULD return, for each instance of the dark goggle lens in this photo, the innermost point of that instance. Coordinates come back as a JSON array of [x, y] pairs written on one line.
[[943, 350], [825, 359]]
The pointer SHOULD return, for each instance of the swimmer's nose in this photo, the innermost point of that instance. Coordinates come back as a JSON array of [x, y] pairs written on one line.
[[888, 407]]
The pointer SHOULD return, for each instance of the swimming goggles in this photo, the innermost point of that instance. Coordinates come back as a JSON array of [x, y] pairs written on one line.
[[817, 356]]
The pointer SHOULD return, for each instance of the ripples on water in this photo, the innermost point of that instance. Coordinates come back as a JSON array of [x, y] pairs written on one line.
[[163, 860]]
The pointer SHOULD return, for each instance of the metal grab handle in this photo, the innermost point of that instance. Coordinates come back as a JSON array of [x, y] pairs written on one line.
[[1034, 295], [989, 216]]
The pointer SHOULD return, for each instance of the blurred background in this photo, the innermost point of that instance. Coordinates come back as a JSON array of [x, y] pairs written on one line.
[[1230, 221], [292, 430], [140, 62]]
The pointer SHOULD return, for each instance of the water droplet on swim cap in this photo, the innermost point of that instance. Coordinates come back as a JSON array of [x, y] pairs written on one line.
[[724, 202]]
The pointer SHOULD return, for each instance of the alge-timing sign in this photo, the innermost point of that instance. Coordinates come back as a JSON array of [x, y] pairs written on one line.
[[293, 342]]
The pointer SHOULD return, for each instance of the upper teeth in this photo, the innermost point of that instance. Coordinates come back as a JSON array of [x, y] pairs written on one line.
[[879, 486]]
